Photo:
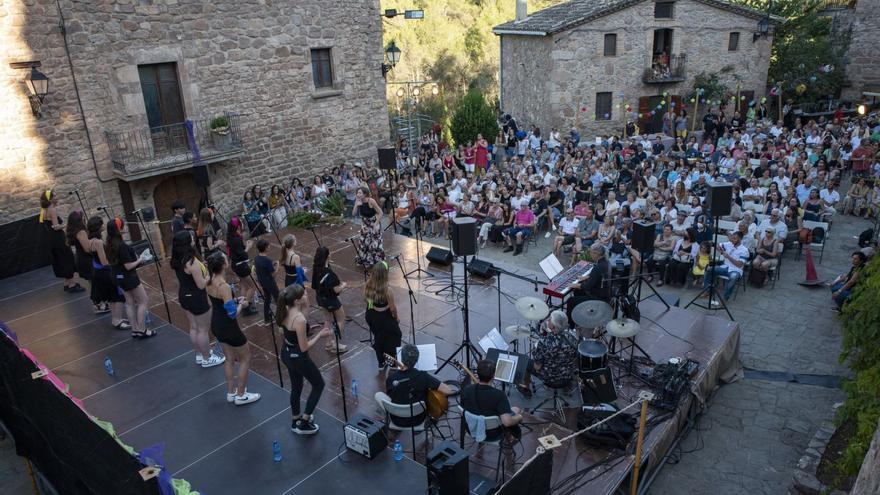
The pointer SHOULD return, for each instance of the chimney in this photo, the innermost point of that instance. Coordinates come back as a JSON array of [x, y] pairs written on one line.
[[522, 10]]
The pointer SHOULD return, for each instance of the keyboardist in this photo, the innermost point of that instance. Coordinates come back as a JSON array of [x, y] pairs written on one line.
[[593, 285]]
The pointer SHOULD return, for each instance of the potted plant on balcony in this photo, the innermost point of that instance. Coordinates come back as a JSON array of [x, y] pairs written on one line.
[[220, 135]]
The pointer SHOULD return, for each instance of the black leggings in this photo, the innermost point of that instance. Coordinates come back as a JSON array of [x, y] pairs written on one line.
[[386, 333], [270, 295], [299, 368]]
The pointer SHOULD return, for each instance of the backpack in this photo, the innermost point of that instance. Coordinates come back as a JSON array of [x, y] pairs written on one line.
[[865, 238]]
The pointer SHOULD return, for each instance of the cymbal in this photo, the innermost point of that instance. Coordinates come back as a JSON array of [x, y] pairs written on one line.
[[531, 308], [517, 332], [591, 314], [622, 328]]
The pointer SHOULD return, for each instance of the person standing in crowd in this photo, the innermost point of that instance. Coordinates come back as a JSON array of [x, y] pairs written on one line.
[[78, 237], [265, 270], [292, 308], [192, 278], [406, 385], [210, 238], [381, 316], [293, 270], [178, 209], [327, 289], [481, 155], [121, 256], [63, 264], [225, 309], [371, 245], [104, 289], [238, 257]]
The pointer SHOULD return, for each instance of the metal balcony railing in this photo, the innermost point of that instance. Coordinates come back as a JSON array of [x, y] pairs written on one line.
[[839, 4], [150, 151], [661, 72]]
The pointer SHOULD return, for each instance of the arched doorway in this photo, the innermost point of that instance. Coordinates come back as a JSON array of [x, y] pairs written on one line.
[[182, 187]]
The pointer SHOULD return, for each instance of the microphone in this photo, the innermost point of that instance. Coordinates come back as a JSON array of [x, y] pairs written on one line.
[[393, 257], [71, 193], [102, 207], [350, 239], [136, 212], [395, 383], [245, 262]]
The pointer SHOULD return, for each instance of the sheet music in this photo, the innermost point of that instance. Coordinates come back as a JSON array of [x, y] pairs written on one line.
[[551, 266], [505, 367], [493, 340], [427, 357]]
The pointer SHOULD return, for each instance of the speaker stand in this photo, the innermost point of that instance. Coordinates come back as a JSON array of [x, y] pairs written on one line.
[[712, 290], [466, 347], [451, 287], [419, 270]]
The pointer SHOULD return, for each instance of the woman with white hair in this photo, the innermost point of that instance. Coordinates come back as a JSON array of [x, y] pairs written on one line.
[[554, 358]]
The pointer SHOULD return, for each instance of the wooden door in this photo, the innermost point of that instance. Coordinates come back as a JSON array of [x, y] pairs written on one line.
[[164, 105], [650, 124], [182, 187]]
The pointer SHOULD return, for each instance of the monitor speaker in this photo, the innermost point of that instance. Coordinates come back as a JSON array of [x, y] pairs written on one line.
[[387, 159], [439, 256], [643, 235], [464, 236], [481, 268], [448, 470], [201, 175], [718, 198]]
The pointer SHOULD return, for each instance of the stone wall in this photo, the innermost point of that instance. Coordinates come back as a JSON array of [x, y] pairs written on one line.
[[862, 69], [578, 69], [250, 57]]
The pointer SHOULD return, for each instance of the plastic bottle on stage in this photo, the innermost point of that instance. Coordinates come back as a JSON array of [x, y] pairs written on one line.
[[147, 319], [108, 366], [354, 390], [276, 451], [398, 451]]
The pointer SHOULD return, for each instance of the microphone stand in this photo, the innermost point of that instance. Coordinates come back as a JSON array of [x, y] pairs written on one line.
[[412, 300], [466, 346], [266, 216], [79, 198], [158, 263], [418, 269], [271, 326], [104, 209], [336, 335]]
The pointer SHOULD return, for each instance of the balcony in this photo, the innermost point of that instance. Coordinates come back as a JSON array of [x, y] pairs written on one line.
[[838, 4], [666, 73], [141, 153]]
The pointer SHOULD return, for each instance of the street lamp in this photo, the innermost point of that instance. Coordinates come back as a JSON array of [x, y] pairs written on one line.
[[407, 14], [392, 54], [37, 84], [861, 109], [763, 25]]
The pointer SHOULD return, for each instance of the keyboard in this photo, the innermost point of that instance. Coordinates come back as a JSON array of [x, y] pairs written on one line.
[[560, 286]]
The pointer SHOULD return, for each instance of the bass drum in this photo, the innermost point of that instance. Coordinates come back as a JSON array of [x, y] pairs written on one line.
[[592, 355]]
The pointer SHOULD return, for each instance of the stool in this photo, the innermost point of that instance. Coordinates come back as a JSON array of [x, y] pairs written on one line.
[[559, 403]]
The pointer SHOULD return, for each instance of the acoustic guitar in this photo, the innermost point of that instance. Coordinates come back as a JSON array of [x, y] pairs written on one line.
[[436, 402]]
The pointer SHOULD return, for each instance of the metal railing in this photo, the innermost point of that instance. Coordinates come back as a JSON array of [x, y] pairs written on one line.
[[674, 70], [140, 151], [411, 127]]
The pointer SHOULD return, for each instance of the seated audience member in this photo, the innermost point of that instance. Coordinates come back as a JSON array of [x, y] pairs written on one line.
[[566, 230], [523, 228], [409, 385], [842, 286], [735, 256]]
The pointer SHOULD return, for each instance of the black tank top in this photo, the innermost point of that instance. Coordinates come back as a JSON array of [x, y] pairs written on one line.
[[292, 340], [188, 283], [220, 321], [366, 211]]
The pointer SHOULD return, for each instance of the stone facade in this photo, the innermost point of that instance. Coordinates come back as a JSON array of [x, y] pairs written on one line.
[[862, 69], [250, 57], [548, 80]]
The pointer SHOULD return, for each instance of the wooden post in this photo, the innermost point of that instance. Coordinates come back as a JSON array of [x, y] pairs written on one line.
[[736, 103], [623, 108], [779, 94], [635, 476], [696, 107]]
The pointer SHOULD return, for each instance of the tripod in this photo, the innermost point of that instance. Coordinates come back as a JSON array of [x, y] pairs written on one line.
[[140, 219], [712, 290], [419, 271], [412, 300], [466, 346], [641, 278], [451, 287], [268, 304]]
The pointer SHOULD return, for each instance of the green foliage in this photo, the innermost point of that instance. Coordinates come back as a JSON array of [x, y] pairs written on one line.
[[332, 206], [473, 116], [801, 45], [219, 122], [303, 219], [861, 351], [712, 86]]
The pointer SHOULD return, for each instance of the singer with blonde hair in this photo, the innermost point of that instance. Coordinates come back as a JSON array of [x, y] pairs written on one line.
[[381, 316]]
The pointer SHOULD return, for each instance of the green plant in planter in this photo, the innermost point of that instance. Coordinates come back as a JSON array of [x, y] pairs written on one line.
[[332, 206], [220, 124], [303, 219]]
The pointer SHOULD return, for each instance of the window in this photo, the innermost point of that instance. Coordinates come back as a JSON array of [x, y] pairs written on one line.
[[603, 106], [161, 92], [663, 10], [610, 45], [733, 42], [322, 68]]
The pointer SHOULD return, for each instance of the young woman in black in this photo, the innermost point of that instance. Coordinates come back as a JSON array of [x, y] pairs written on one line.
[[225, 309], [241, 266], [192, 277], [327, 288], [124, 262], [381, 314], [63, 264], [292, 306], [104, 288], [291, 262], [78, 237]]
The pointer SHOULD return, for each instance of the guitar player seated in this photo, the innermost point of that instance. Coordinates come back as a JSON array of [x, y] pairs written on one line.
[[407, 385], [483, 399]]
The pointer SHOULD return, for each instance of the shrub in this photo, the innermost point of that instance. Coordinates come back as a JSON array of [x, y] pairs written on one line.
[[473, 116]]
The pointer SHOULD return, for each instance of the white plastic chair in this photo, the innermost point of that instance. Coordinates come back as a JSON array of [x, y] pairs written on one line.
[[492, 423], [401, 411]]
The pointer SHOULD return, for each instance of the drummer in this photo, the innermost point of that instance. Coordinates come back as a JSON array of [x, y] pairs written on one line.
[[554, 358]]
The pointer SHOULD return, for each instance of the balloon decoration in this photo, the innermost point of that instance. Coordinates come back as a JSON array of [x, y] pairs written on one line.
[[800, 88], [583, 109]]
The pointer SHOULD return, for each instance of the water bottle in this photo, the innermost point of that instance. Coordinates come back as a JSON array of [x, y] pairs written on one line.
[[398, 451], [354, 390], [276, 451], [147, 319], [108, 366]]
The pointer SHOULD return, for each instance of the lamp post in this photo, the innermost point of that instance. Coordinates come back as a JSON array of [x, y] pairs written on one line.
[[411, 90], [392, 55], [37, 84]]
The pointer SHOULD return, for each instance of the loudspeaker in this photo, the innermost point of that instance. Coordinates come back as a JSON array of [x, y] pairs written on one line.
[[481, 268], [643, 235], [387, 159], [440, 256], [597, 386], [448, 470], [364, 436], [201, 175], [464, 236], [148, 213], [718, 198]]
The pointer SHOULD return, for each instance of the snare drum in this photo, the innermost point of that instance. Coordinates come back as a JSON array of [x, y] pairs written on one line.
[[593, 355]]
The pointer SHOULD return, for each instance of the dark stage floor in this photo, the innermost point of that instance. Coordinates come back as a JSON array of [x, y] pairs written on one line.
[[159, 395]]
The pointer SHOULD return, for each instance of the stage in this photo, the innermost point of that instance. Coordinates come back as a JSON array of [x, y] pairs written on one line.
[[158, 394]]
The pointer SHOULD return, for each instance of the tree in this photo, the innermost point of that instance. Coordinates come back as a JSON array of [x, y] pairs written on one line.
[[473, 116]]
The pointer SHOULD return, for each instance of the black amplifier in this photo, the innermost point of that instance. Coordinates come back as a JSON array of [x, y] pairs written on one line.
[[364, 436]]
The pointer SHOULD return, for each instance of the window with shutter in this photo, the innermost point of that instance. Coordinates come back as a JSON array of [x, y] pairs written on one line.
[[603, 106], [322, 68], [610, 45], [733, 42]]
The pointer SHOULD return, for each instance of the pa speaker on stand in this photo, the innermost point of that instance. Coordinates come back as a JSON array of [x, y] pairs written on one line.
[[719, 199], [387, 159], [464, 236]]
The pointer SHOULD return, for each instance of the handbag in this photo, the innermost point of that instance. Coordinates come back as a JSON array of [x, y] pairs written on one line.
[[757, 277]]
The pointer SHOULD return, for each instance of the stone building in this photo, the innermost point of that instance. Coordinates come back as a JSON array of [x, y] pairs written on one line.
[[860, 21], [583, 62], [134, 86]]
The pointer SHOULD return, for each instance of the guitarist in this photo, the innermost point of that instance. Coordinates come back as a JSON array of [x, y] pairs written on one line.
[[483, 399], [407, 385]]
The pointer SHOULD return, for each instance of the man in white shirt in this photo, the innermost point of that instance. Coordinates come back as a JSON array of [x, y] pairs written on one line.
[[776, 130], [735, 256], [774, 222], [781, 180], [518, 200], [753, 193], [681, 223], [565, 234], [829, 198], [803, 190]]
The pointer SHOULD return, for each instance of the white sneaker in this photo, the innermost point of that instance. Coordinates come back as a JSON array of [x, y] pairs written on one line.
[[213, 360], [246, 398], [230, 397], [199, 359], [547, 235]]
